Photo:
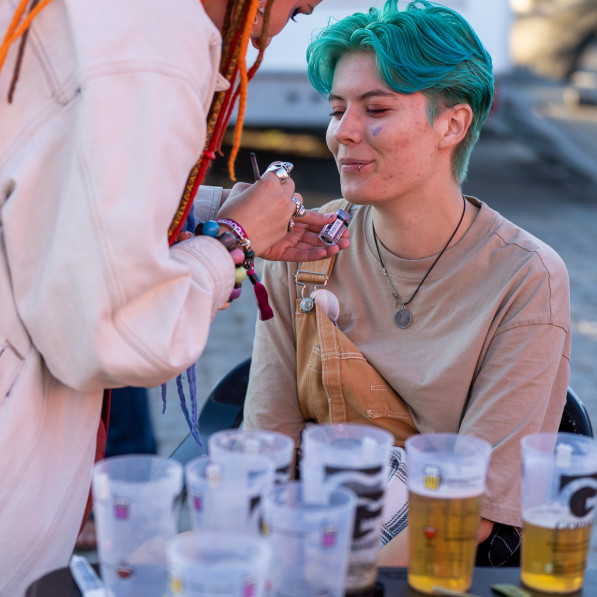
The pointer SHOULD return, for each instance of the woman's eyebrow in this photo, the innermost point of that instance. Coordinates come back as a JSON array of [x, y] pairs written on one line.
[[366, 95]]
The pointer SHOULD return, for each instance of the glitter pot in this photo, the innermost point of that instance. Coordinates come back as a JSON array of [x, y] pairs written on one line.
[[331, 233]]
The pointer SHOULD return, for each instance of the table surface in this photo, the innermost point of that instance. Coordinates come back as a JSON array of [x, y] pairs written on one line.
[[60, 583]]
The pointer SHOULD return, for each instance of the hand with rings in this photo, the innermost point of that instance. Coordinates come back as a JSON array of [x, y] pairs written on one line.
[[281, 170]]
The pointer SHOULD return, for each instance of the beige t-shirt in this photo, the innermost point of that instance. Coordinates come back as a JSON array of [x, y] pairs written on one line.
[[487, 352]]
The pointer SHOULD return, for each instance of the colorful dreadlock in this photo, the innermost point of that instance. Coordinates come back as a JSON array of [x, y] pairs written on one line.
[[236, 34], [18, 26], [236, 37]]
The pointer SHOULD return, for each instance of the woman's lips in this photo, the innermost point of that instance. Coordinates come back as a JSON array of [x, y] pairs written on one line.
[[349, 167]]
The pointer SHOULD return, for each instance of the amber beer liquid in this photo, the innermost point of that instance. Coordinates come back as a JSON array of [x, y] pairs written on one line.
[[442, 541], [554, 553]]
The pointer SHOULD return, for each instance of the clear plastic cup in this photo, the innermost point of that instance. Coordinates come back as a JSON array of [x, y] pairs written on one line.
[[228, 496], [136, 503], [357, 457], [310, 542], [218, 564], [559, 489], [279, 447], [446, 479]]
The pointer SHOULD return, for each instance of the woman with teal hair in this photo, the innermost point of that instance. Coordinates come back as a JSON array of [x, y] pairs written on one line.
[[442, 316]]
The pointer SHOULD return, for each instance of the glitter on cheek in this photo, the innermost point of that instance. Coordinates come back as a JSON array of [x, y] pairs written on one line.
[[376, 131]]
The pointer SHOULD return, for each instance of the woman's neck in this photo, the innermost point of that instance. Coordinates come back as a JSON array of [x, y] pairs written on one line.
[[422, 227]]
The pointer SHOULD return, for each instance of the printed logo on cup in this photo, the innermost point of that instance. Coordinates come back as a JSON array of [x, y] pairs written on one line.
[[249, 587], [328, 535], [432, 478], [198, 502], [579, 492], [121, 508], [176, 585], [369, 485]]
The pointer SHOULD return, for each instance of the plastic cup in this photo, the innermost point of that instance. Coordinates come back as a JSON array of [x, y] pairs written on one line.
[[279, 447], [227, 496], [136, 503], [356, 457], [447, 473], [559, 488], [218, 564], [310, 542]]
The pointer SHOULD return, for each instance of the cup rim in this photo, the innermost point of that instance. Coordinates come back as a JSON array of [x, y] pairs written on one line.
[[211, 541], [348, 498], [475, 445], [171, 468], [382, 436]]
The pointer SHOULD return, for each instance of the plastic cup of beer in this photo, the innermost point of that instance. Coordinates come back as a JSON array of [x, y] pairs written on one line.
[[559, 485], [224, 445], [136, 507], [357, 457], [216, 563], [310, 542], [227, 496], [446, 482]]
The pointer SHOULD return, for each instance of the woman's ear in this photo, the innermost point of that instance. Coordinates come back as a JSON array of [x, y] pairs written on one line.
[[456, 121]]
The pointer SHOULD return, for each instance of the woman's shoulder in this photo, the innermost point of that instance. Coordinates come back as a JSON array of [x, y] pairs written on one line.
[[522, 240]]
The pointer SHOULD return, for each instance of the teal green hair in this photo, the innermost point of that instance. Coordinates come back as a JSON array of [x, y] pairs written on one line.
[[426, 48]]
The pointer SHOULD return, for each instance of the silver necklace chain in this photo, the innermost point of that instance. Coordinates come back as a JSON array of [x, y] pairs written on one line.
[[403, 316]]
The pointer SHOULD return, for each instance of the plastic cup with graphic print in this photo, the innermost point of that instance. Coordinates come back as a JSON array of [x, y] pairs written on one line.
[[447, 474], [559, 489], [357, 457], [218, 563], [136, 503], [310, 542], [226, 444], [227, 496]]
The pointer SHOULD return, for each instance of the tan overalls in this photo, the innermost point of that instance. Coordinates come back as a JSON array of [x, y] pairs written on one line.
[[335, 382]]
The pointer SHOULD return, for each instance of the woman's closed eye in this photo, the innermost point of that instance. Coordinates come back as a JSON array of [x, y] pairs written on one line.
[[377, 111]]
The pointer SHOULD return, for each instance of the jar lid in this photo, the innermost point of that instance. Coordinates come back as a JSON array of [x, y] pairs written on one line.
[[344, 215]]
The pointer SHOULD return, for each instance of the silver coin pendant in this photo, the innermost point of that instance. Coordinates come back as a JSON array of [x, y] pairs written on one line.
[[402, 318]]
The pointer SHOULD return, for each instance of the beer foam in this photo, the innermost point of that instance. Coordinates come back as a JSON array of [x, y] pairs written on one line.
[[446, 491]]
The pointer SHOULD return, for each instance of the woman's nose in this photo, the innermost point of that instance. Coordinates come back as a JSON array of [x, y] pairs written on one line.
[[347, 129]]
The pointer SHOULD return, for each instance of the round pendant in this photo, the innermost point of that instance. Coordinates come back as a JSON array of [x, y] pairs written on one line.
[[403, 318], [306, 304]]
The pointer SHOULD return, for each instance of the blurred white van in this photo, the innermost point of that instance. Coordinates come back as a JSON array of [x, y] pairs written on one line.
[[280, 94]]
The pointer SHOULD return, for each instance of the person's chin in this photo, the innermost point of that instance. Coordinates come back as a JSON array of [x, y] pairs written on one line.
[[352, 194], [255, 42]]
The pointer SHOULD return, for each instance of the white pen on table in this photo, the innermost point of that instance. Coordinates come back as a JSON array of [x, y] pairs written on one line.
[[89, 583]]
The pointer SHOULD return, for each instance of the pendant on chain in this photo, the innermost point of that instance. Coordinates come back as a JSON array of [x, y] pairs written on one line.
[[402, 318]]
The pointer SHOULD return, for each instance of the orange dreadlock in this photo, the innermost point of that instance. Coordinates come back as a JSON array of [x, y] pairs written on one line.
[[18, 26]]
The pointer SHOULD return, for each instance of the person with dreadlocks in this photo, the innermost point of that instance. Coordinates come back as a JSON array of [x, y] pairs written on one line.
[[110, 113]]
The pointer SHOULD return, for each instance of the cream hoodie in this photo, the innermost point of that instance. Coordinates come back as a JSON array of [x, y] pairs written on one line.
[[107, 120]]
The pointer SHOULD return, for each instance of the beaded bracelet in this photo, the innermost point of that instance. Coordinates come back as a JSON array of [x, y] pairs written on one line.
[[239, 246]]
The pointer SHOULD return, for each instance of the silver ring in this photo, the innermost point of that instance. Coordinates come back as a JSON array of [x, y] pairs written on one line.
[[290, 225], [300, 210], [281, 170]]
